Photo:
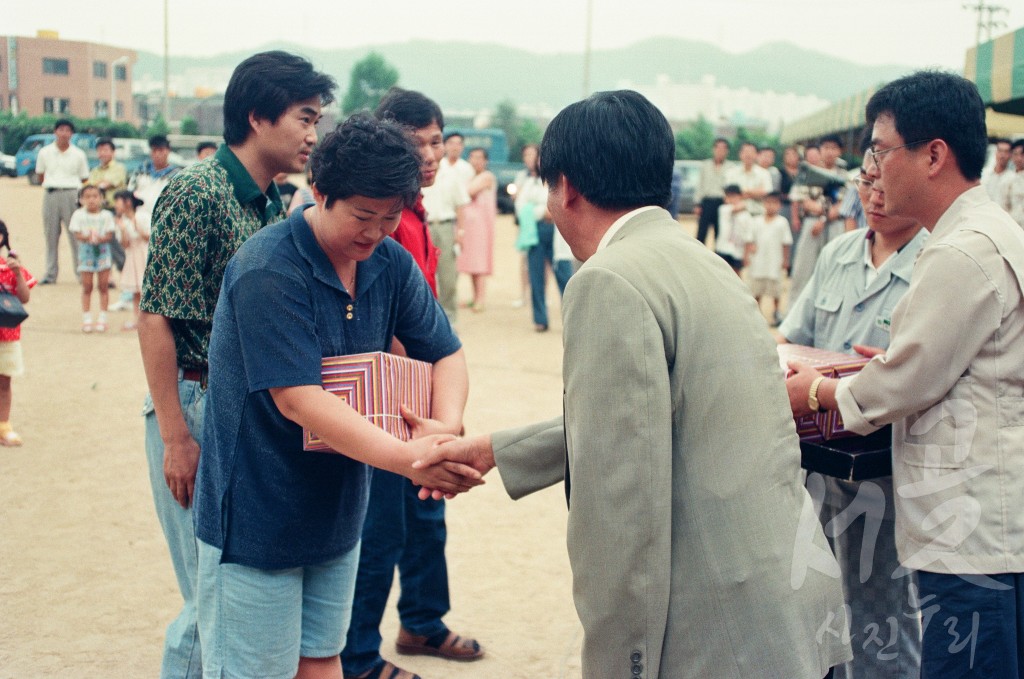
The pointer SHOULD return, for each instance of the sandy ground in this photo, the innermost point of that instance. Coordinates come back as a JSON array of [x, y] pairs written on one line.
[[86, 586]]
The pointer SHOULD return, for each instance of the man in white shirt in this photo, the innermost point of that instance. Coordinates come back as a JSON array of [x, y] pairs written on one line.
[[1012, 198], [443, 202], [754, 181], [994, 178], [63, 167]]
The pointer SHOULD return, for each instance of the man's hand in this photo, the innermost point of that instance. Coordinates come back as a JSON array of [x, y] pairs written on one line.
[[443, 478], [798, 385], [818, 227], [475, 452], [181, 459]]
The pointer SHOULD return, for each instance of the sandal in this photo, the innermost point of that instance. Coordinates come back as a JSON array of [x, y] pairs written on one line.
[[87, 326], [444, 644], [10, 439], [101, 327], [386, 670]]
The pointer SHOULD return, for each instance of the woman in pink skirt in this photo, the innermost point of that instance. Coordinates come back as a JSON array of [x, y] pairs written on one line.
[[476, 256]]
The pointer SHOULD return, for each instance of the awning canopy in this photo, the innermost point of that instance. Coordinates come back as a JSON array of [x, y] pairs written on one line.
[[997, 68]]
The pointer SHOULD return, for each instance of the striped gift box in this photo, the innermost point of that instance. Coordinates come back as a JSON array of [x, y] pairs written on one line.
[[375, 385], [829, 424]]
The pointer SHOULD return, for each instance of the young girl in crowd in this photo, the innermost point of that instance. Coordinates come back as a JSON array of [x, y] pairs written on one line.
[[17, 281], [133, 232], [94, 228]]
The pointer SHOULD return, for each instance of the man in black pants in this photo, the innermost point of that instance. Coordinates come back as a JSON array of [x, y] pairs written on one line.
[[709, 194]]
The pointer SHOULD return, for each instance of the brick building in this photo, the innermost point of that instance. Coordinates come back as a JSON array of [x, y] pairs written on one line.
[[66, 77]]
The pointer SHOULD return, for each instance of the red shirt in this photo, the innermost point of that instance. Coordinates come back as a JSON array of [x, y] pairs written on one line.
[[8, 283], [413, 235]]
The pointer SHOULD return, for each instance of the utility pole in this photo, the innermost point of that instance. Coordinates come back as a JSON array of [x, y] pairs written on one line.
[[986, 19], [167, 70], [586, 48]]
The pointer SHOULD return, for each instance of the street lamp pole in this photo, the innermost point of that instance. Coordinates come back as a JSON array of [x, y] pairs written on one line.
[[120, 61]]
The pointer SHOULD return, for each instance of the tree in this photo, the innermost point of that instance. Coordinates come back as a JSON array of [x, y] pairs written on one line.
[[696, 141], [158, 126], [189, 125], [371, 77]]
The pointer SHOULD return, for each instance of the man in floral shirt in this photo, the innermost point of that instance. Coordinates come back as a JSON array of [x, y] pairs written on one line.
[[271, 108]]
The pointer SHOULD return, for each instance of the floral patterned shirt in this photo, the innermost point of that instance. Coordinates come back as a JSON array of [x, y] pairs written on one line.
[[206, 212]]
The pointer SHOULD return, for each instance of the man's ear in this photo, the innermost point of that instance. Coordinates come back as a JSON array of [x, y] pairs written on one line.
[[569, 193], [939, 155], [255, 122]]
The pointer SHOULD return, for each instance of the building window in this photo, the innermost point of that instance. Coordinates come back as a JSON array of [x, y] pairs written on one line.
[[55, 66], [120, 110], [99, 69], [100, 108], [121, 72], [55, 105]]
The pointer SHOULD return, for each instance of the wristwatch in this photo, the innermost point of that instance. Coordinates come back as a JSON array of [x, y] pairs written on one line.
[[812, 395]]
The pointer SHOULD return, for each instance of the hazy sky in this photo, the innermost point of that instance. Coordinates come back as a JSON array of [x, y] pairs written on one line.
[[906, 32]]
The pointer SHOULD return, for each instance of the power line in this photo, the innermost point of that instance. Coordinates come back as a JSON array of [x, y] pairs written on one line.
[[987, 20]]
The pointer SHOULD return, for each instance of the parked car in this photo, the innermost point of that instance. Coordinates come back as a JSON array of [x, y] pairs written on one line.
[[688, 177], [26, 155], [8, 165]]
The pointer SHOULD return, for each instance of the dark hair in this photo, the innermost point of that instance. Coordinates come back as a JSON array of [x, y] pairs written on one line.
[[615, 148], [748, 143], [810, 146], [265, 85], [774, 195], [1002, 140], [367, 157], [1017, 144], [203, 145], [159, 141], [105, 141], [454, 134], [410, 108], [721, 140], [88, 187], [831, 139], [482, 150], [766, 148], [125, 194], [61, 122], [732, 190], [865, 141], [5, 239], [930, 105]]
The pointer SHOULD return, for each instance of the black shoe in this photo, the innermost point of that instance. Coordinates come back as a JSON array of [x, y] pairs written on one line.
[[47, 281]]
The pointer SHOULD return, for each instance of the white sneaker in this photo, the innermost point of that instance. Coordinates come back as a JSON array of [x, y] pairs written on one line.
[[120, 305], [517, 303]]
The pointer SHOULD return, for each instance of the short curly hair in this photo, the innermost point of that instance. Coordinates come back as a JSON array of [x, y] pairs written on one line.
[[367, 157]]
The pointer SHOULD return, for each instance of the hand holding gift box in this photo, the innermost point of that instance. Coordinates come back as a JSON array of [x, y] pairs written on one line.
[[377, 385], [828, 425]]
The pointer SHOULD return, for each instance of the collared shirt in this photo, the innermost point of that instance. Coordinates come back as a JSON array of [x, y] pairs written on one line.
[[259, 497], [413, 235], [619, 223], [951, 385], [207, 211], [994, 181], [769, 236], [1013, 196], [838, 307], [712, 180], [750, 180], [446, 196], [62, 169], [851, 208], [112, 172]]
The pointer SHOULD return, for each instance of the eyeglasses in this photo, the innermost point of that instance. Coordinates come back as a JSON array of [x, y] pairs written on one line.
[[876, 155], [863, 183]]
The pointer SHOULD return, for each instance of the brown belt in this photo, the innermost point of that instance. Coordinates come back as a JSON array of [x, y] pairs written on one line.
[[195, 375]]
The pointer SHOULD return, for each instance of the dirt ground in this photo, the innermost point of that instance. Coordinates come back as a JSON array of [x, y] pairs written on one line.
[[86, 586]]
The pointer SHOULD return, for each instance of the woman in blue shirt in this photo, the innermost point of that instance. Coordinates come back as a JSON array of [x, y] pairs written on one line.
[[278, 527]]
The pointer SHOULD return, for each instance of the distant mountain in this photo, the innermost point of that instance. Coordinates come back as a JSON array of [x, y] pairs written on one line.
[[467, 76]]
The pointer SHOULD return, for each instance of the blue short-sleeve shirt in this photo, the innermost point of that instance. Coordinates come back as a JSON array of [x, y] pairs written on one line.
[[259, 497]]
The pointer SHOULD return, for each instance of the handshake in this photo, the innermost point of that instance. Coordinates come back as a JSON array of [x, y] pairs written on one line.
[[444, 465]]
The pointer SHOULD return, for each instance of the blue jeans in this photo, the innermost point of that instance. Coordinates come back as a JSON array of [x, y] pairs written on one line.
[[400, 530], [537, 259], [972, 629], [181, 645]]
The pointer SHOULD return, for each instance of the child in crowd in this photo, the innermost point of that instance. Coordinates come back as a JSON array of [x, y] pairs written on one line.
[[733, 228], [93, 228], [16, 280], [767, 253], [133, 232]]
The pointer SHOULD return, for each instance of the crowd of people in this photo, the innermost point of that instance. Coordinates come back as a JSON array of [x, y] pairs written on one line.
[[241, 283]]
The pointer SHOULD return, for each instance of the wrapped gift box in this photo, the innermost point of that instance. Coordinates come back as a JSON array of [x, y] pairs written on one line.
[[852, 459], [828, 425], [375, 385]]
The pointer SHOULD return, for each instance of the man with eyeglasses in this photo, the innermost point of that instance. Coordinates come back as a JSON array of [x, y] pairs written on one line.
[[951, 381], [848, 303]]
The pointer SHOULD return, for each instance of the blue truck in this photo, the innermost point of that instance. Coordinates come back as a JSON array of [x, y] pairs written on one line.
[[505, 171]]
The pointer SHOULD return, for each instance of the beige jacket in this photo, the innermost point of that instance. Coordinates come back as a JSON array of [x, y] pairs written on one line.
[[694, 547], [952, 384]]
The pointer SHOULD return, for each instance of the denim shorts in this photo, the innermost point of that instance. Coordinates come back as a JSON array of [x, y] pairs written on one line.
[[94, 258], [258, 623]]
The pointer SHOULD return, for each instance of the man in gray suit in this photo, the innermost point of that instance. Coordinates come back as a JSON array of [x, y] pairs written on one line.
[[695, 550]]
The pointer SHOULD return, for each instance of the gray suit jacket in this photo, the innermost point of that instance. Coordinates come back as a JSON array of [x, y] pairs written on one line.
[[695, 549]]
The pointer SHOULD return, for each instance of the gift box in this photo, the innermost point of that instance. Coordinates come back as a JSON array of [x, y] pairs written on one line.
[[852, 459], [829, 424], [375, 385]]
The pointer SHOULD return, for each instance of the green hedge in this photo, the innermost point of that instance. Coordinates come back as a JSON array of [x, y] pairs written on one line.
[[14, 128]]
